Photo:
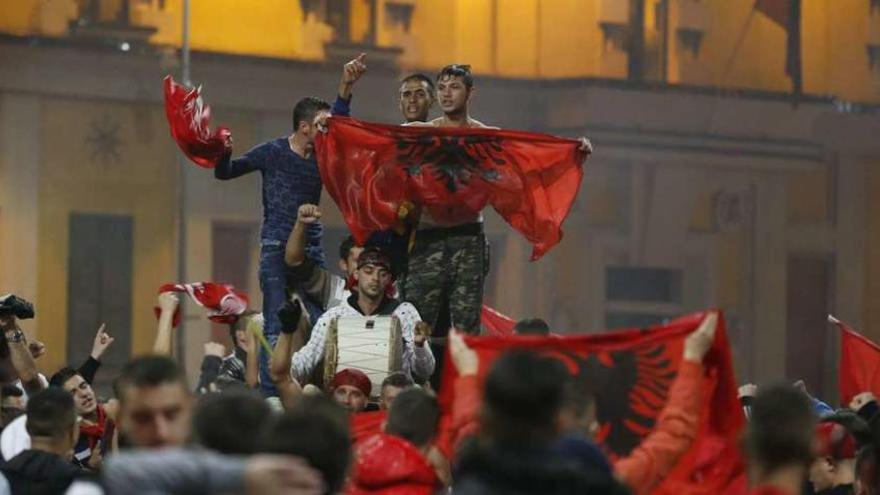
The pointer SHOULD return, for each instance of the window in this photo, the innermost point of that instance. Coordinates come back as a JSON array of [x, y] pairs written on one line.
[[641, 296]]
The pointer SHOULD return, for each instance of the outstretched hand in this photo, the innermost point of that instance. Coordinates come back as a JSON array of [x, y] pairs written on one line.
[[353, 70], [698, 343], [465, 359]]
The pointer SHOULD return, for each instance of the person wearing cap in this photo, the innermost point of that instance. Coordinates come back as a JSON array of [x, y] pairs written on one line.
[[374, 280], [350, 389], [833, 469]]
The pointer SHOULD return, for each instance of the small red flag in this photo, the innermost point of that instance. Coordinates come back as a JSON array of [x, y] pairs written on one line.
[[373, 171], [859, 363], [631, 372], [189, 119]]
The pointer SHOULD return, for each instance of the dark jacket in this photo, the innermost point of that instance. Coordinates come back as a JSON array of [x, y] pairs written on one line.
[[36, 472], [489, 470]]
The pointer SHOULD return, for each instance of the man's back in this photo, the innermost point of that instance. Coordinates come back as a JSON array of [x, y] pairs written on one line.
[[37, 472]]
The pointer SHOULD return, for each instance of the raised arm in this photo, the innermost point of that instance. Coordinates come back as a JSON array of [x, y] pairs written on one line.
[[351, 72], [304, 361], [90, 367], [279, 366], [295, 251], [168, 303], [22, 360], [676, 428], [417, 355]]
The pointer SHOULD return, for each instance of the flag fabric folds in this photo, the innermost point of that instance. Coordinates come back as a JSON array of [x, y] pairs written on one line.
[[189, 120], [859, 363], [374, 172], [630, 372]]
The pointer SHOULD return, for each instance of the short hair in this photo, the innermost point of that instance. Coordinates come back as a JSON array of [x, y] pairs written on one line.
[[781, 428], [854, 424], [397, 379], [50, 413], [458, 70], [148, 371], [306, 109], [413, 416], [233, 422], [531, 326], [523, 397], [419, 77], [315, 429], [61, 376], [345, 248]]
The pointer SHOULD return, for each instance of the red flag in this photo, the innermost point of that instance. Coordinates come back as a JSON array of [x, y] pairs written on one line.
[[189, 119], [632, 371], [223, 302], [496, 323], [373, 171], [859, 363], [366, 424]]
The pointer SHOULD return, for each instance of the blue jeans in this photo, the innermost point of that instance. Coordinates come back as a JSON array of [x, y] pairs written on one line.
[[273, 282]]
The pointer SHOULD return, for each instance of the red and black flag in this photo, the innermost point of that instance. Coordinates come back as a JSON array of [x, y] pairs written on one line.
[[859, 363], [375, 171], [787, 14], [189, 120], [630, 373]]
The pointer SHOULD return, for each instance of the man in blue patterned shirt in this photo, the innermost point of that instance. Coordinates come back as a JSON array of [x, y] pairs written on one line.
[[290, 179]]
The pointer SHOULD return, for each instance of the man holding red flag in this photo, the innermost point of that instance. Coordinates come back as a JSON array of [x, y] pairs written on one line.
[[450, 258], [290, 178]]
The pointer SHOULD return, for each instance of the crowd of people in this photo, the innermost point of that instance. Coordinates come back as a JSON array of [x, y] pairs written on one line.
[[270, 416]]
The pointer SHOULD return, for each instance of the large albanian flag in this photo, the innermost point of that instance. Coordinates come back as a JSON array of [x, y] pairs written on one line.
[[630, 373], [189, 119], [376, 172]]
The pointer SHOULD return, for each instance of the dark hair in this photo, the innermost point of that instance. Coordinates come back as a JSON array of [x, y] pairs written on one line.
[[866, 468], [457, 70], [524, 394], [316, 429], [306, 109], [531, 326], [10, 391], [240, 325], [854, 424], [413, 416], [50, 413], [419, 77], [781, 428], [148, 371], [345, 248], [397, 379], [232, 422], [61, 376]]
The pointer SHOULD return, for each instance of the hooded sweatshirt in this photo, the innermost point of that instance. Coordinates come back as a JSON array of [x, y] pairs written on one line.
[[388, 465], [37, 472]]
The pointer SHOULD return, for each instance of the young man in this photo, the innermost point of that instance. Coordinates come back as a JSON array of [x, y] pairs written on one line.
[[392, 386], [233, 422], [450, 259], [373, 278], [217, 366], [396, 461], [155, 405], [290, 178], [317, 430], [317, 283], [52, 426], [96, 419], [350, 388], [779, 440]]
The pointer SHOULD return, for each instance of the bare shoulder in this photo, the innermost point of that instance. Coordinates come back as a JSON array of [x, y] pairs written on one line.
[[476, 124], [420, 124]]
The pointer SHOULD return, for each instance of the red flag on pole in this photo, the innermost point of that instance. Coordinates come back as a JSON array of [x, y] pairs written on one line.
[[374, 171], [631, 371], [189, 120], [859, 363]]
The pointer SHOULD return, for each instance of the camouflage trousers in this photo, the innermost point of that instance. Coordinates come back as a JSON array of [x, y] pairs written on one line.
[[448, 266]]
